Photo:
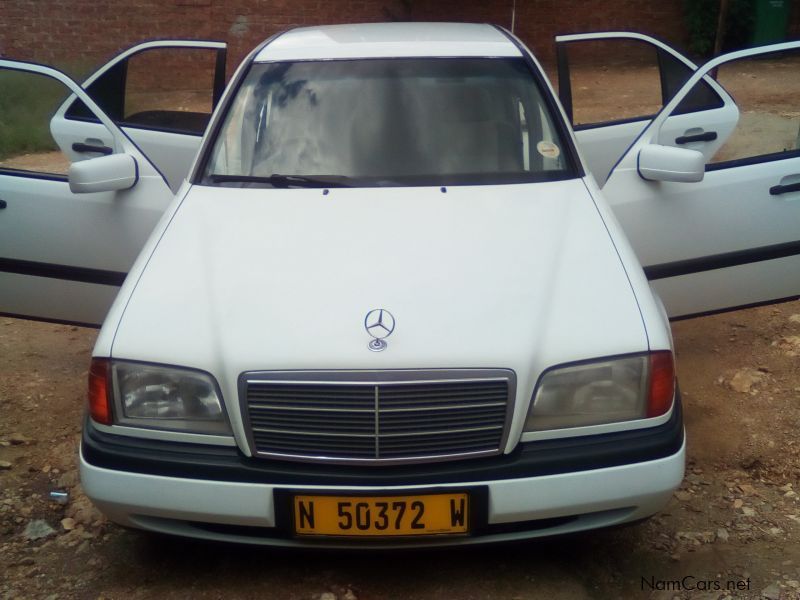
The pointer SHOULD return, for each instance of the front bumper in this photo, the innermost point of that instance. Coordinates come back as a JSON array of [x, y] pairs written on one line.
[[540, 489]]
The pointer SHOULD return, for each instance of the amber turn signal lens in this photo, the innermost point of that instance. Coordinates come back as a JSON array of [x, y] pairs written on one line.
[[99, 403], [662, 383]]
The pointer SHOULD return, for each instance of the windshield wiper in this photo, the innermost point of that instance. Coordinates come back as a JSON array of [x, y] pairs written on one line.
[[285, 181]]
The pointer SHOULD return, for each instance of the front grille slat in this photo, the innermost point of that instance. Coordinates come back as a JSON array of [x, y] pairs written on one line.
[[339, 421], [312, 408], [430, 418]]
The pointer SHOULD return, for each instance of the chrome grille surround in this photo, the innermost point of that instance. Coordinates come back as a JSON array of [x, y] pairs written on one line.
[[377, 417]]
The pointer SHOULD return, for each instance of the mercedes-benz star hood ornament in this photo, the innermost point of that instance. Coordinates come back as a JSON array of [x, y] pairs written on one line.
[[379, 323]]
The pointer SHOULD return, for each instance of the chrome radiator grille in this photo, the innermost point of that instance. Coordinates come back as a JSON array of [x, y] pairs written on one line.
[[388, 416]]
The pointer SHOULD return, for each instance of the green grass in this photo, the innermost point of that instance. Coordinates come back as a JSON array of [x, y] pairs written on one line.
[[27, 103]]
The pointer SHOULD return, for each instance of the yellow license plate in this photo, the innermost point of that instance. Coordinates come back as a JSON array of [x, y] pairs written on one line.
[[426, 514]]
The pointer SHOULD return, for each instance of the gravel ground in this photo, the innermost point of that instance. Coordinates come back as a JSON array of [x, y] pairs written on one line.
[[734, 522]]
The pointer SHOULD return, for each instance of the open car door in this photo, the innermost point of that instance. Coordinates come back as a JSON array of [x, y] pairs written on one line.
[[69, 230], [612, 85], [161, 94], [720, 233]]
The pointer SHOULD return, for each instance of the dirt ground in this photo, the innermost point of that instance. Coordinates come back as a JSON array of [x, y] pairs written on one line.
[[735, 521], [732, 530]]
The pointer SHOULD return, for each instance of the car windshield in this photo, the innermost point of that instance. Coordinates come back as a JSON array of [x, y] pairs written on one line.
[[388, 122]]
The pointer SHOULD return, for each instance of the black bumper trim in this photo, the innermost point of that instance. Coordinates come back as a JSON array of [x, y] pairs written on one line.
[[530, 459]]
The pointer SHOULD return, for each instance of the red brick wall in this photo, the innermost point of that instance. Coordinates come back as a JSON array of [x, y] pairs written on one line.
[[537, 21], [91, 31], [86, 33]]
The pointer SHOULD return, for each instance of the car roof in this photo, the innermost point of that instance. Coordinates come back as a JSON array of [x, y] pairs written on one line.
[[388, 40]]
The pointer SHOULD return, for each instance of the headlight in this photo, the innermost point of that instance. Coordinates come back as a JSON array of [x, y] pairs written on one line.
[[167, 398], [607, 391]]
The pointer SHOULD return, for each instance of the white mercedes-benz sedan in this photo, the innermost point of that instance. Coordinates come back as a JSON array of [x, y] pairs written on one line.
[[389, 304]]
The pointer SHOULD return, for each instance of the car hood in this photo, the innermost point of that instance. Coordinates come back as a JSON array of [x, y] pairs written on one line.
[[513, 276]]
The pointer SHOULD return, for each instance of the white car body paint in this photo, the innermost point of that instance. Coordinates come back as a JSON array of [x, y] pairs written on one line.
[[255, 290], [387, 40], [521, 277], [249, 286]]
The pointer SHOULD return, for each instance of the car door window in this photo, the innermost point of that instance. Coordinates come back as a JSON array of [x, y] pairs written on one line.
[[27, 148], [161, 94], [612, 84], [766, 90], [613, 80], [164, 88], [617, 80]]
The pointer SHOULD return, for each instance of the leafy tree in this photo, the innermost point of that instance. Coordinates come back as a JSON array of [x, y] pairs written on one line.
[[701, 21]]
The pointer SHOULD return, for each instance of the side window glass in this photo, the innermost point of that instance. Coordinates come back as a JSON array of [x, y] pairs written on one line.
[[168, 89], [766, 90], [108, 91], [674, 74], [613, 80], [618, 80], [27, 103]]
